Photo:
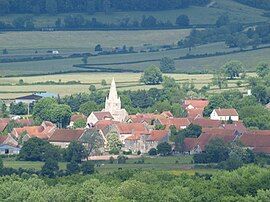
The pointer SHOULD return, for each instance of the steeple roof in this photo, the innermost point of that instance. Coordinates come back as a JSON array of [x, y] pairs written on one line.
[[113, 92]]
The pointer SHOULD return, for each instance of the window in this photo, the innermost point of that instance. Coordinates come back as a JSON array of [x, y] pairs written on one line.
[[6, 151]]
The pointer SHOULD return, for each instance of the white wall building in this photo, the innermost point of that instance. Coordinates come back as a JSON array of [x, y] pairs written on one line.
[[224, 115]]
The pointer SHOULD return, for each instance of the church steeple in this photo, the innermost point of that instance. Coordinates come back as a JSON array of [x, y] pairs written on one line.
[[113, 92], [113, 102]]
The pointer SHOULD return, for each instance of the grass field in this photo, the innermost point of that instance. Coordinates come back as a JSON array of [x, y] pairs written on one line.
[[125, 81], [72, 41], [173, 164], [197, 15]]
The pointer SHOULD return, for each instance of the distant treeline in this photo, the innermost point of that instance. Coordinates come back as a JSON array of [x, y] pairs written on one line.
[[234, 35], [263, 4], [92, 6]]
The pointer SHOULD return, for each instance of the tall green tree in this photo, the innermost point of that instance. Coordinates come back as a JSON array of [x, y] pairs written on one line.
[[167, 65], [233, 69], [152, 76], [75, 152], [263, 69]]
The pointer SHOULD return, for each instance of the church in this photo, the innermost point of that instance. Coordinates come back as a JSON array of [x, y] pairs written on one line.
[[112, 111]]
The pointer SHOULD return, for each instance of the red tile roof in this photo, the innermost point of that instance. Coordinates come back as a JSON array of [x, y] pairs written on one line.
[[167, 114], [148, 118], [177, 122], [226, 112], [193, 113], [3, 139], [103, 115], [130, 128], [44, 131], [66, 135], [257, 139], [25, 122], [158, 135], [239, 126], [201, 103], [207, 135], [206, 123]]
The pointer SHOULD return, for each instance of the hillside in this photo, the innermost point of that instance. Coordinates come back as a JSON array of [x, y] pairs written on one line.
[[198, 15]]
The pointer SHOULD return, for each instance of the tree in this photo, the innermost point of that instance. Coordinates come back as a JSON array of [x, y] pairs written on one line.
[[98, 48], [169, 82], [73, 167], [220, 80], [167, 65], [80, 123], [242, 41], [92, 88], [222, 20], [164, 149], [263, 69], [114, 143], [90, 7], [1, 165], [34, 150], [4, 7], [216, 151], [103, 82], [60, 114], [50, 168], [233, 162], [5, 51], [85, 59], [233, 69], [152, 152], [18, 109], [121, 159], [51, 6], [182, 21], [75, 152], [88, 167], [152, 76], [88, 107], [178, 111]]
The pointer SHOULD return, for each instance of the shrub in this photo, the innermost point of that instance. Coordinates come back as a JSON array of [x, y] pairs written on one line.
[[88, 167], [152, 152]]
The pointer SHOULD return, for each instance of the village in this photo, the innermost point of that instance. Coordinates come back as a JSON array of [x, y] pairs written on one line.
[[135, 134]]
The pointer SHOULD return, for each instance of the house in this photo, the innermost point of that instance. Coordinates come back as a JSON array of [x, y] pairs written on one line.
[[143, 142], [197, 145], [76, 117], [8, 140], [94, 117], [238, 126], [9, 149], [44, 131], [29, 99], [125, 130], [195, 107], [46, 95], [224, 115], [179, 123], [206, 123], [148, 118], [257, 140], [63, 137]]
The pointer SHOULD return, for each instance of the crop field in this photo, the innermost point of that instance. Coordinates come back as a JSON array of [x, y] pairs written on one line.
[[197, 15], [117, 61], [125, 81], [72, 41]]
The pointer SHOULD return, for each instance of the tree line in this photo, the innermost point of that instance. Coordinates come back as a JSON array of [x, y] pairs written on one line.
[[92, 6], [250, 183], [235, 35], [263, 4]]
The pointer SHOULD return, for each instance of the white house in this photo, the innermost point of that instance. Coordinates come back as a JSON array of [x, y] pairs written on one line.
[[224, 115], [94, 117]]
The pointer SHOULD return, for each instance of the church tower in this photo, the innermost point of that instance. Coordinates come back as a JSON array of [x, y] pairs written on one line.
[[113, 102], [113, 105]]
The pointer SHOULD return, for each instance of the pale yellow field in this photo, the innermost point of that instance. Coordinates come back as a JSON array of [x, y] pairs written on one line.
[[125, 81]]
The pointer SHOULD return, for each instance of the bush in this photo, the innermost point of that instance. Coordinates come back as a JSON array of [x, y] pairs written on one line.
[[152, 152], [88, 167], [121, 159], [111, 160], [73, 167]]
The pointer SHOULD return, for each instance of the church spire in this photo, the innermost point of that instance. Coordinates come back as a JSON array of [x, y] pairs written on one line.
[[113, 92]]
